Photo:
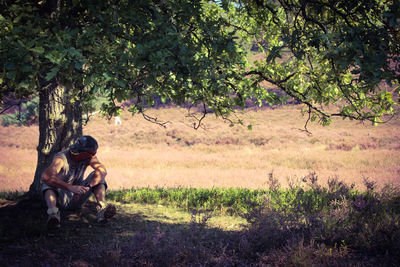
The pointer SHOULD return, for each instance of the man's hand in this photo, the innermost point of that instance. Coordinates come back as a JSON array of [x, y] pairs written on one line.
[[78, 189]]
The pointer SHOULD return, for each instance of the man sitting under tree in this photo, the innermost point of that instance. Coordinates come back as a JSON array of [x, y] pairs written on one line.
[[64, 186]]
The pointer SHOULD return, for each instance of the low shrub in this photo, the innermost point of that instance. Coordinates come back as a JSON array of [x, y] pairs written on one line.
[[337, 217]]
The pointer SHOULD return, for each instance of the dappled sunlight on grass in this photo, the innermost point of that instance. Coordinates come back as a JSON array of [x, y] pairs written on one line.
[[172, 215]]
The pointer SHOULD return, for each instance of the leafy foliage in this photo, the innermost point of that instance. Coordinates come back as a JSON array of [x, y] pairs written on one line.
[[343, 52], [27, 114], [179, 50], [316, 52]]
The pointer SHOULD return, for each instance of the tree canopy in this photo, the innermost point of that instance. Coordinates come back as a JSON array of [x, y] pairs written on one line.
[[341, 52], [177, 50], [318, 52]]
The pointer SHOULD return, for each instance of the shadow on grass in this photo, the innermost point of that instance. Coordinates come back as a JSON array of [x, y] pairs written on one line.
[[333, 226], [128, 239]]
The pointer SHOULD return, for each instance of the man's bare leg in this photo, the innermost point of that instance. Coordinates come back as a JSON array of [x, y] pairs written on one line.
[[50, 198], [99, 192], [105, 210]]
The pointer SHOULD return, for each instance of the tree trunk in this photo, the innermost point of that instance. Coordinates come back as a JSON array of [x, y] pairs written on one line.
[[60, 124]]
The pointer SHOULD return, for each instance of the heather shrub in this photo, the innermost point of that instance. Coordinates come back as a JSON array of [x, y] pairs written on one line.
[[269, 228], [313, 254], [337, 216]]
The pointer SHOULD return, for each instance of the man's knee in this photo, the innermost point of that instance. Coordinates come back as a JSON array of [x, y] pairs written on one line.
[[101, 186], [49, 193], [49, 197]]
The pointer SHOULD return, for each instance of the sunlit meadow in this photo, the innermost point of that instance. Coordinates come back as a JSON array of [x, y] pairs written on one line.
[[138, 153]]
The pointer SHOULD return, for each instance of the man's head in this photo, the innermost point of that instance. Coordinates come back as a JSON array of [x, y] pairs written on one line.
[[84, 148]]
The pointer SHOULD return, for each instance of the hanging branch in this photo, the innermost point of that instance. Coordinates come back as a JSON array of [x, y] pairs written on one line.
[[197, 125], [308, 120], [154, 120]]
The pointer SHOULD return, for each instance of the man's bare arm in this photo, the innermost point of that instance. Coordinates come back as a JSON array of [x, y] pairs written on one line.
[[50, 178], [100, 171]]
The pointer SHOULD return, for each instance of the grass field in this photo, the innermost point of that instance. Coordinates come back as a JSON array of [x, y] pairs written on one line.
[[218, 196], [141, 154]]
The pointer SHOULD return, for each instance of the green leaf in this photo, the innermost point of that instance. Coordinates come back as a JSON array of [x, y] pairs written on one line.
[[17, 19], [120, 83], [11, 75], [79, 65], [249, 127], [9, 65], [24, 84], [37, 49], [107, 76], [53, 72], [26, 68]]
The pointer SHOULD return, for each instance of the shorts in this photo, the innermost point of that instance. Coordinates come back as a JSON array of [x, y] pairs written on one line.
[[65, 199]]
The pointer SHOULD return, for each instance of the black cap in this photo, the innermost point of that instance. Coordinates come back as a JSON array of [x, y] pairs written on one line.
[[83, 144]]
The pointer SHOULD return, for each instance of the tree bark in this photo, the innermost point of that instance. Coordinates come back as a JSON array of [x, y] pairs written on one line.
[[60, 124]]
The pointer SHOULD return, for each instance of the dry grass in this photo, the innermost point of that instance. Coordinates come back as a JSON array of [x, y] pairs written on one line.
[[139, 153]]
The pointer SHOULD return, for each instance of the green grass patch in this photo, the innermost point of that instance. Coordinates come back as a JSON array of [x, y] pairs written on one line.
[[236, 201], [225, 200]]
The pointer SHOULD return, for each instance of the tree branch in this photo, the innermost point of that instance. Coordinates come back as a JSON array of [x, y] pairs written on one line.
[[308, 120], [154, 120], [303, 11], [191, 115], [10, 106], [301, 99]]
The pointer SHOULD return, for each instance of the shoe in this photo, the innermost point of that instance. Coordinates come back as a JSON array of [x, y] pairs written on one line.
[[53, 221], [105, 211]]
